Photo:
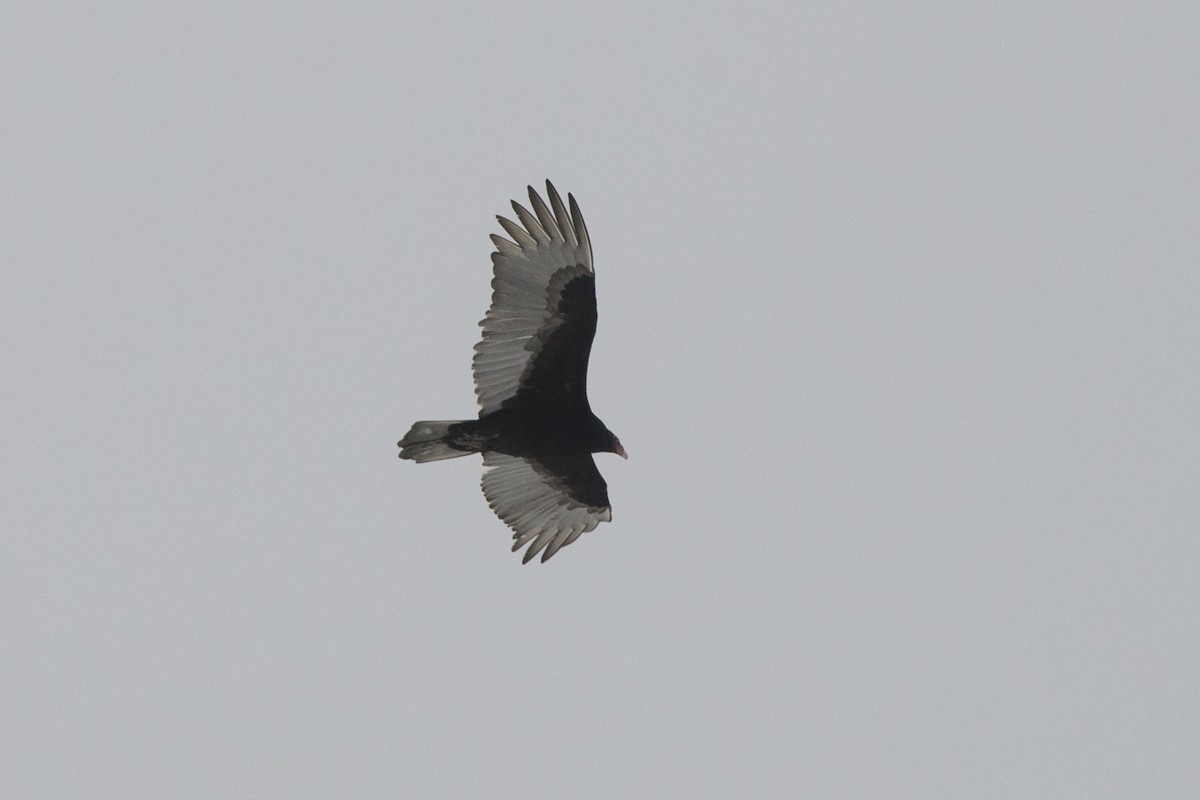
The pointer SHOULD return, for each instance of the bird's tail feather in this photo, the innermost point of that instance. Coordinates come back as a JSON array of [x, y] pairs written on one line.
[[428, 440]]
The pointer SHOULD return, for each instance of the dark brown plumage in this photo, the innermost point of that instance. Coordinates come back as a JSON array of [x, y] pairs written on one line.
[[535, 429]]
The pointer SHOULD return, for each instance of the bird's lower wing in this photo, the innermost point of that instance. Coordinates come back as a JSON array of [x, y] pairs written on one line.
[[549, 502]]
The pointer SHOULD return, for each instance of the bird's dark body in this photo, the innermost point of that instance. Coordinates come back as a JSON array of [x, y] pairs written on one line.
[[516, 431], [552, 439]]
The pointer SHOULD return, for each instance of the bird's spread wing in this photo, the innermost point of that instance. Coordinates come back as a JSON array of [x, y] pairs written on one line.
[[547, 502], [538, 332]]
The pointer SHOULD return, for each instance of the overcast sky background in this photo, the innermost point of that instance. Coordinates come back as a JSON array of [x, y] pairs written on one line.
[[898, 323]]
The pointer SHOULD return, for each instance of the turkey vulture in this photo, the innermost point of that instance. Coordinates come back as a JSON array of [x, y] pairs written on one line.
[[535, 430]]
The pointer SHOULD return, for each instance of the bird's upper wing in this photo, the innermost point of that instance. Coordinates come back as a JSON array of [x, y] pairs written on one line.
[[548, 501], [538, 332]]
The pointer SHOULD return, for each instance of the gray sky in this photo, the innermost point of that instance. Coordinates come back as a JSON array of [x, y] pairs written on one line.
[[898, 322]]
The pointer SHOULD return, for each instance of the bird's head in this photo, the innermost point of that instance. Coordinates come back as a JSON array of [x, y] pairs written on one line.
[[614, 446]]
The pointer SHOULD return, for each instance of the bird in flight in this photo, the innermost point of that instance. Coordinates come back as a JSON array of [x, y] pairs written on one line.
[[535, 429]]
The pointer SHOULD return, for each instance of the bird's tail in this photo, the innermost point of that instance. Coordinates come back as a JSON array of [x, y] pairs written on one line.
[[429, 440]]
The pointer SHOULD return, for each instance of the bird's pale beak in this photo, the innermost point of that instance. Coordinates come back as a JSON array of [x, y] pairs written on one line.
[[619, 450]]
